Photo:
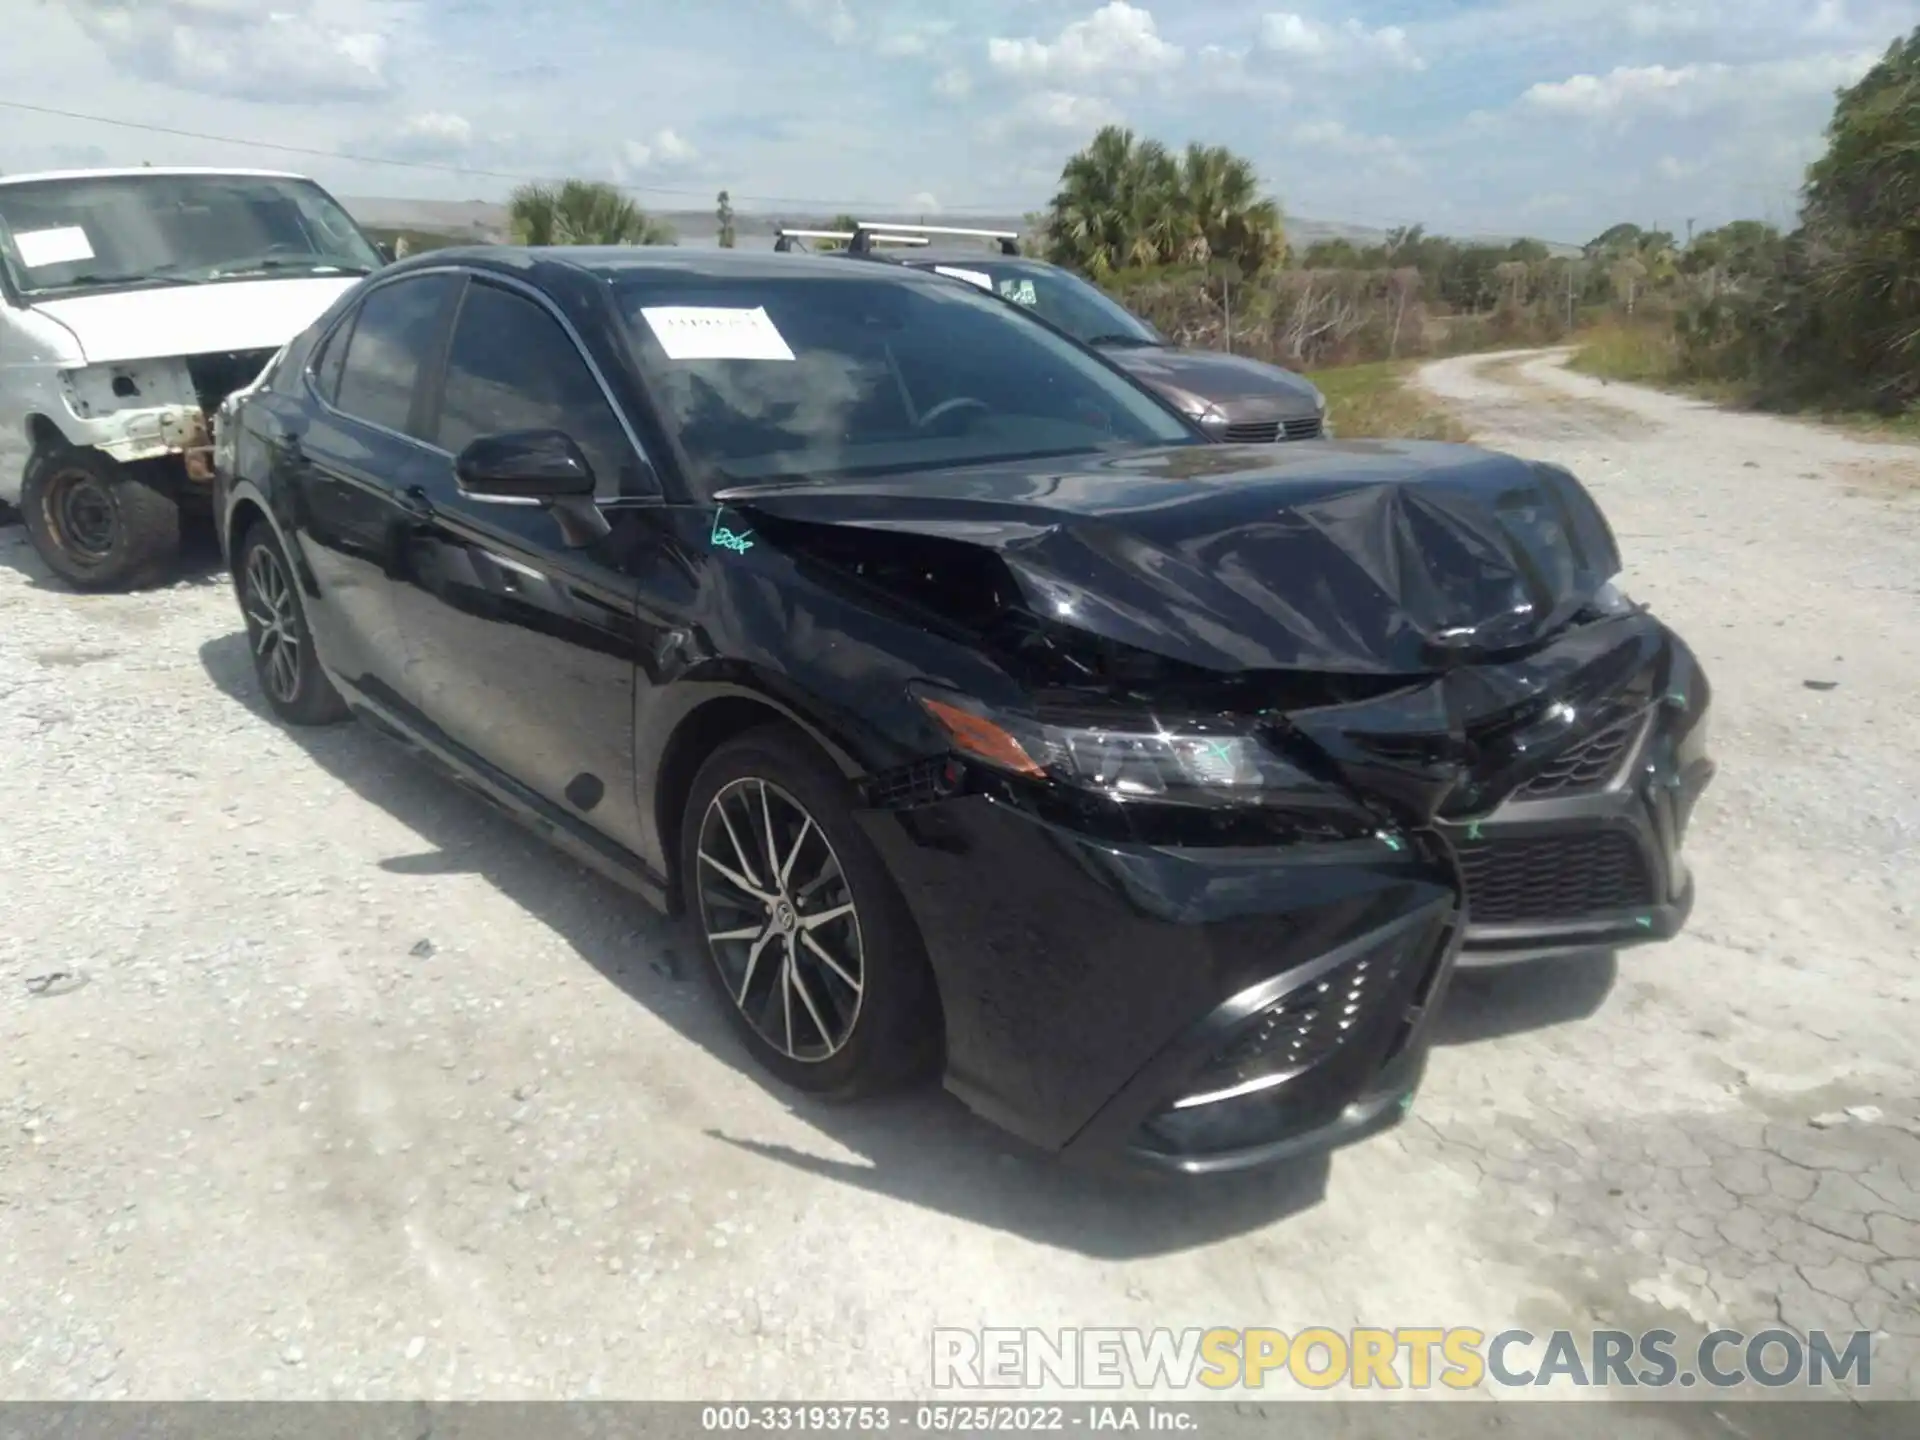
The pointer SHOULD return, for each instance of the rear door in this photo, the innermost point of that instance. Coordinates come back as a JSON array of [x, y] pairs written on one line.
[[524, 647], [361, 463]]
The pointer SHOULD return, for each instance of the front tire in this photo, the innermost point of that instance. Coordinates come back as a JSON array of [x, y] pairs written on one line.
[[284, 660], [811, 951], [97, 524]]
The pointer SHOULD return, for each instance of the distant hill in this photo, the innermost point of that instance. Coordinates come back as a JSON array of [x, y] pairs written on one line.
[[484, 221]]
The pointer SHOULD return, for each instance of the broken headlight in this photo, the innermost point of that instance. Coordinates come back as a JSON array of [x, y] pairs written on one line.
[[1189, 761]]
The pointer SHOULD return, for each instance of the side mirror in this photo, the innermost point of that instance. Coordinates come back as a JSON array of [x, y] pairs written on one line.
[[386, 251], [534, 467], [524, 465]]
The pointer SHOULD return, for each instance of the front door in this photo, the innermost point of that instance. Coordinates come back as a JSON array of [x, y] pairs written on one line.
[[524, 648]]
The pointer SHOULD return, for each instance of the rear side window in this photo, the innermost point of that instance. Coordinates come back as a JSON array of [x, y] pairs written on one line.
[[396, 328], [512, 367]]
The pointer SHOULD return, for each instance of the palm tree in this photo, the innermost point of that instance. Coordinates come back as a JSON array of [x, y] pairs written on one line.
[[581, 212], [1128, 202], [1222, 214]]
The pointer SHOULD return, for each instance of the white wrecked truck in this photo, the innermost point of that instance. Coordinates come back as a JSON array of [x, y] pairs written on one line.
[[135, 301]]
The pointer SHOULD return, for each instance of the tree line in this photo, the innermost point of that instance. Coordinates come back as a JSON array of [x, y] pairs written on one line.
[[1829, 310]]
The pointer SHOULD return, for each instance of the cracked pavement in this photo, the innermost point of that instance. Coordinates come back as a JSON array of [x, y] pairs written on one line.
[[318, 1078]]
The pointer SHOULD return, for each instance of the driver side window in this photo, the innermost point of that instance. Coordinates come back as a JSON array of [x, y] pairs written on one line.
[[512, 367]]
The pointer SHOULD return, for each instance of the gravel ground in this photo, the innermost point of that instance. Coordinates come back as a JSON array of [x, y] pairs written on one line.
[[362, 1092]]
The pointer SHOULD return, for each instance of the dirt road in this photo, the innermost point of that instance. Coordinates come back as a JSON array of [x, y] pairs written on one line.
[[352, 1089]]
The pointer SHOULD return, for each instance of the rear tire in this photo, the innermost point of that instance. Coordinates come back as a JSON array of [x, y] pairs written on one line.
[[839, 1000], [284, 660], [98, 525]]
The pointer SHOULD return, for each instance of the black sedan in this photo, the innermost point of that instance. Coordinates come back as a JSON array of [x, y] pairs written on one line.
[[982, 714]]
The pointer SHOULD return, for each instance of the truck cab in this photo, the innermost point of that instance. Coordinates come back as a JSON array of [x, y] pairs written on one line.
[[132, 303]]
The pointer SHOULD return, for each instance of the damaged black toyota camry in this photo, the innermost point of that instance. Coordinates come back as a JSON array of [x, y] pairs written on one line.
[[980, 714]]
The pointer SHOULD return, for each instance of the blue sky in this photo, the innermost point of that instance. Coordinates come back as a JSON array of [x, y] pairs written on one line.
[[1553, 117]]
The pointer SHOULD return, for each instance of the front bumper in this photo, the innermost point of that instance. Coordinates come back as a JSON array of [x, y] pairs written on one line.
[[1098, 996]]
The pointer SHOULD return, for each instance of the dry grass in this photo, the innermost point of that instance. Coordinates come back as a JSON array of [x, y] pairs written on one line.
[[1377, 402], [1640, 354]]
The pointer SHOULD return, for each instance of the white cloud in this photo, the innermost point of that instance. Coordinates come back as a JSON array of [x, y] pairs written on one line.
[[953, 84], [1062, 110], [1330, 137], [437, 125], [1117, 39], [830, 17], [922, 39], [300, 51], [924, 203], [1349, 44], [1631, 91], [1049, 116], [665, 149]]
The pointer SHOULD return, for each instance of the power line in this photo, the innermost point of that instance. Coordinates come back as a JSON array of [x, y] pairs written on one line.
[[446, 168]]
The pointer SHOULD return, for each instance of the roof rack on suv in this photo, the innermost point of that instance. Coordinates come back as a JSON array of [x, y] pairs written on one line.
[[874, 232], [783, 238]]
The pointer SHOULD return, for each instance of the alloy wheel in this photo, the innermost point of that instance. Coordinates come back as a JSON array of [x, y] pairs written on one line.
[[780, 919], [273, 624]]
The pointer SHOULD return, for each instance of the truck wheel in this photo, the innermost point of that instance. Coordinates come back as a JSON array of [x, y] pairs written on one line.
[[97, 524]]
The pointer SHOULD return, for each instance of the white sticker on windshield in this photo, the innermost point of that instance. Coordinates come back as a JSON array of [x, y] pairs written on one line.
[[972, 277], [52, 247], [704, 332], [1019, 291]]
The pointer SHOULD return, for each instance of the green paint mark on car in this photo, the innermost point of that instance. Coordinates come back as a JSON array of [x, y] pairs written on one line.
[[725, 539]]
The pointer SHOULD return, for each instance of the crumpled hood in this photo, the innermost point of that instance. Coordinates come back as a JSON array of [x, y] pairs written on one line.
[[206, 319], [1207, 375], [1362, 557]]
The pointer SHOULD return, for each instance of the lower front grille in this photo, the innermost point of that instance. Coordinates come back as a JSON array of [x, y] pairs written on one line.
[[1295, 1066], [1545, 878], [1308, 1026]]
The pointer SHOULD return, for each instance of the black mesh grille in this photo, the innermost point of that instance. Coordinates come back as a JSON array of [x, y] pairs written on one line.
[[1587, 767], [919, 783], [1553, 877], [1308, 429]]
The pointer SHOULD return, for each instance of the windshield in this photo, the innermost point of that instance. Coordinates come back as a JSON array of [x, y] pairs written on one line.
[[89, 231], [834, 373], [1062, 299]]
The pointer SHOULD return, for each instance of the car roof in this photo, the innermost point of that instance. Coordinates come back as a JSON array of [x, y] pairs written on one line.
[[111, 174], [612, 262]]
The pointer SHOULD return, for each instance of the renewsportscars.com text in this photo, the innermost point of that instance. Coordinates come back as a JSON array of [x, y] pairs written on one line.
[[1457, 1358]]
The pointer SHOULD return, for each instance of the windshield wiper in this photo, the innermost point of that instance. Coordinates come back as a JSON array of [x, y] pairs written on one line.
[[1118, 339], [147, 277], [316, 264]]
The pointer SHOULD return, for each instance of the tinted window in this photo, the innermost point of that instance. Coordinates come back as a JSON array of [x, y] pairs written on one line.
[[398, 325], [333, 353], [826, 373], [1063, 299], [511, 367]]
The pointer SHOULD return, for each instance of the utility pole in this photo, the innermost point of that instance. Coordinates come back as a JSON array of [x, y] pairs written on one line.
[[1569, 295], [1689, 232]]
